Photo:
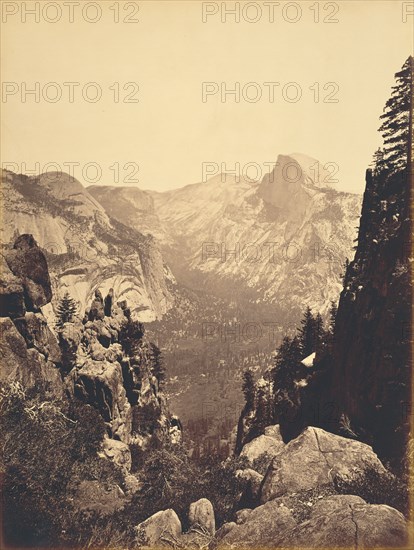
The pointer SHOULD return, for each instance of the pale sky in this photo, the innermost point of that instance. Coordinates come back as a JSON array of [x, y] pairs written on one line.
[[169, 53]]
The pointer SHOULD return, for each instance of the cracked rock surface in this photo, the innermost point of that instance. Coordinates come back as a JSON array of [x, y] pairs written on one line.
[[313, 459]]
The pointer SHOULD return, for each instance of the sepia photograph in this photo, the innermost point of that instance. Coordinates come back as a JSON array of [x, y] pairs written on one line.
[[206, 274]]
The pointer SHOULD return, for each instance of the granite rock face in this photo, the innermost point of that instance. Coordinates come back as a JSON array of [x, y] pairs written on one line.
[[314, 459], [29, 350]]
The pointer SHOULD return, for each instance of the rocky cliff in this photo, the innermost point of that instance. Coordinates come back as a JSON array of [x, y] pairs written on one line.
[[371, 379], [85, 359], [30, 353], [85, 248]]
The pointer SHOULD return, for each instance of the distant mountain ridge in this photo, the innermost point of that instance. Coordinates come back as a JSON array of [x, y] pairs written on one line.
[[284, 239]]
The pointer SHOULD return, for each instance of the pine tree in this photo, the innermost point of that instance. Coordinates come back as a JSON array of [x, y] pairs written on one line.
[[345, 268], [307, 333], [158, 368], [248, 388], [130, 336], [289, 355], [332, 317], [262, 410], [379, 164], [396, 128], [66, 310], [320, 333]]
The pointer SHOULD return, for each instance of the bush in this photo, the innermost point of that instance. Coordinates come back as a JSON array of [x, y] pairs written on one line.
[[375, 488], [49, 448]]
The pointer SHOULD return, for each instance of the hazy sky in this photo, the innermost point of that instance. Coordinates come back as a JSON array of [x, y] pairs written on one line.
[[169, 53]]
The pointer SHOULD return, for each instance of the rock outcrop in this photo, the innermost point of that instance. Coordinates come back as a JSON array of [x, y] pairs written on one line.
[[341, 521], [314, 459], [119, 383], [29, 350], [346, 521]]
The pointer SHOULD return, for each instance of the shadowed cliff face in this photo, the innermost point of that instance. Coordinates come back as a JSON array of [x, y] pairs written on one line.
[[372, 351]]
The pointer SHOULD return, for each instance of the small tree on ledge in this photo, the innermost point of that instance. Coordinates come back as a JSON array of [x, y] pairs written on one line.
[[66, 310]]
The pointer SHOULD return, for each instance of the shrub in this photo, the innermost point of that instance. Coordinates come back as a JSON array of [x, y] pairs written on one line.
[[49, 448], [375, 488]]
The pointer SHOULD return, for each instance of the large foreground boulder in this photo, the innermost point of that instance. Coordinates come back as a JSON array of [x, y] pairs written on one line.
[[340, 521], [347, 521], [314, 459], [264, 527], [162, 527], [201, 515]]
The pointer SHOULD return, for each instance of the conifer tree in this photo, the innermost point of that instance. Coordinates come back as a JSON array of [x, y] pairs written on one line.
[[262, 410], [158, 368], [332, 316], [66, 310], [396, 128], [320, 334], [307, 333], [248, 388]]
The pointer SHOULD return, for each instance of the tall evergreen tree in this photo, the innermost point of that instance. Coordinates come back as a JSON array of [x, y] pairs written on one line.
[[396, 128], [333, 310], [262, 410], [158, 368], [66, 310], [307, 333], [248, 388], [320, 333]]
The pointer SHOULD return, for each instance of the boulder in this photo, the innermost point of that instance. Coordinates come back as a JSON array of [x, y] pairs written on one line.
[[201, 515], [348, 521], [28, 263], [162, 525], [313, 459], [117, 452], [11, 293], [264, 526], [339, 521], [264, 447]]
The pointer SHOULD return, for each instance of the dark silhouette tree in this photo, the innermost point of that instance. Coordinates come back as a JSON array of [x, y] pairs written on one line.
[[307, 333], [130, 336], [320, 334], [248, 389], [66, 310], [158, 368], [396, 128]]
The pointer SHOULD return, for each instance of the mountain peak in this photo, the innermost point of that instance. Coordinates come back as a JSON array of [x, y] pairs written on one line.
[[295, 175]]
